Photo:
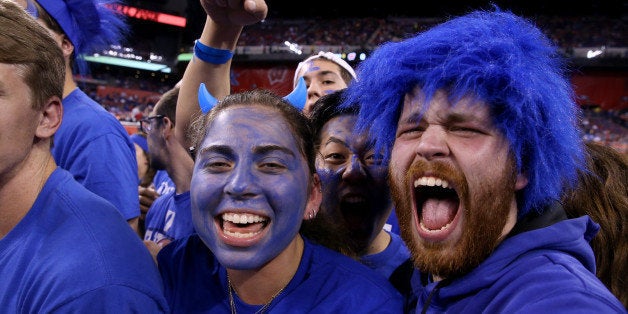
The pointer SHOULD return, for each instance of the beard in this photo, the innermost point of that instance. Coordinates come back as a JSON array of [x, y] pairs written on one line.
[[486, 207]]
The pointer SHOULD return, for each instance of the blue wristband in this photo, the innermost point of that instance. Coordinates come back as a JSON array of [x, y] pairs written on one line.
[[210, 54]]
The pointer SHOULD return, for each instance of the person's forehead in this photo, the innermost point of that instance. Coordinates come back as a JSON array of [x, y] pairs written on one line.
[[250, 113], [251, 123], [343, 128], [441, 105], [12, 75], [320, 66], [342, 123]]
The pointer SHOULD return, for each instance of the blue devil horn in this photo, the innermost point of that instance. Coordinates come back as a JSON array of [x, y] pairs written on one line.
[[205, 100], [298, 96]]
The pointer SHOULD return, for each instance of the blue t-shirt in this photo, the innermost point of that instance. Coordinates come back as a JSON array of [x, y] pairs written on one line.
[[74, 253], [325, 282], [547, 270], [169, 217], [96, 149], [386, 261], [163, 183]]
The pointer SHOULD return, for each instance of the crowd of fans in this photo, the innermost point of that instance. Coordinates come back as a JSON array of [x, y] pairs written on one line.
[[609, 127], [567, 32]]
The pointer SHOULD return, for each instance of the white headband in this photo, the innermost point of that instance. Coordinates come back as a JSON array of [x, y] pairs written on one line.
[[325, 55]]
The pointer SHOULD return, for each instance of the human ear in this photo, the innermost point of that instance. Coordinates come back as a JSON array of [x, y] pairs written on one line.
[[50, 118], [521, 181], [315, 198], [66, 46]]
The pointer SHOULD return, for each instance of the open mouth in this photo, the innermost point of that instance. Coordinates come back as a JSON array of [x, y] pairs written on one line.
[[354, 208], [437, 203], [353, 203], [242, 225]]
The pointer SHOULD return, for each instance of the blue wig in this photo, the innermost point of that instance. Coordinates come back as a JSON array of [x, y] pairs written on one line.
[[501, 59], [91, 25]]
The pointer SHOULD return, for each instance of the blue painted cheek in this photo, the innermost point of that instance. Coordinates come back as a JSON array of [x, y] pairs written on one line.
[[205, 195], [330, 180], [287, 196], [379, 173], [379, 185], [329, 91]]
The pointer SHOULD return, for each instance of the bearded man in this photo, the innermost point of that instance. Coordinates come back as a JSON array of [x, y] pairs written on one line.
[[479, 121]]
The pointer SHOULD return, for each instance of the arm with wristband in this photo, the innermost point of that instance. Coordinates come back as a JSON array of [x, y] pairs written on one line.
[[212, 55]]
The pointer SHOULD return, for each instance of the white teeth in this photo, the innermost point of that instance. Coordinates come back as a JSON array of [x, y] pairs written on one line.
[[428, 229], [242, 218], [431, 181]]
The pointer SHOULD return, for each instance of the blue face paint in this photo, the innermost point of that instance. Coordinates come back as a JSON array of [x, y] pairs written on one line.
[[311, 67], [249, 188], [355, 189]]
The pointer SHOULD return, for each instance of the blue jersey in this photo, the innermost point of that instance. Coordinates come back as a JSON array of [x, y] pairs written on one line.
[[96, 149], [163, 183], [546, 270], [325, 282], [74, 253], [169, 217], [386, 261]]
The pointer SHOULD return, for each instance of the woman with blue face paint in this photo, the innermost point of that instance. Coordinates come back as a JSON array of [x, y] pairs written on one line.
[[254, 183]]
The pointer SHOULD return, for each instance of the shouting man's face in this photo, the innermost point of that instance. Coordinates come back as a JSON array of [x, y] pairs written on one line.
[[453, 182]]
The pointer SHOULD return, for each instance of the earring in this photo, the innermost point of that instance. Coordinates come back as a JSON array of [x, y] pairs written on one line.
[[310, 215]]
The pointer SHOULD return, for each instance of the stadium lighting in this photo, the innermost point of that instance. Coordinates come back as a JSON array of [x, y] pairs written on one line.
[[594, 53], [143, 14], [293, 47], [149, 66], [185, 57]]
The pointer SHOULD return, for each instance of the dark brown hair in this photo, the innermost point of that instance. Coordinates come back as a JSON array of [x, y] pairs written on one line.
[[602, 193], [25, 43]]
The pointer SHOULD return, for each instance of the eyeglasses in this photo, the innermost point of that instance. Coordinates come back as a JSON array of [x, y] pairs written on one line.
[[146, 125]]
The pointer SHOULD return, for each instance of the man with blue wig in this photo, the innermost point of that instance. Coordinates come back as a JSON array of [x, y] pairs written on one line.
[[478, 119]]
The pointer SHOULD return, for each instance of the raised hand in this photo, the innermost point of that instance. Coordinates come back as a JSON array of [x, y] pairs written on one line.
[[235, 12]]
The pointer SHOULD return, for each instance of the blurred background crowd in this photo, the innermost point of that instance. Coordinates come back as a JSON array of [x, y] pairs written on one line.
[[593, 36]]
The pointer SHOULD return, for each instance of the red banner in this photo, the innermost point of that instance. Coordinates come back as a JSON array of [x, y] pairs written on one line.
[[277, 79], [609, 91]]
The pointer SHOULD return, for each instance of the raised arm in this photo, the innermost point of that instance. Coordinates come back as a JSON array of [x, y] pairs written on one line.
[[225, 20]]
